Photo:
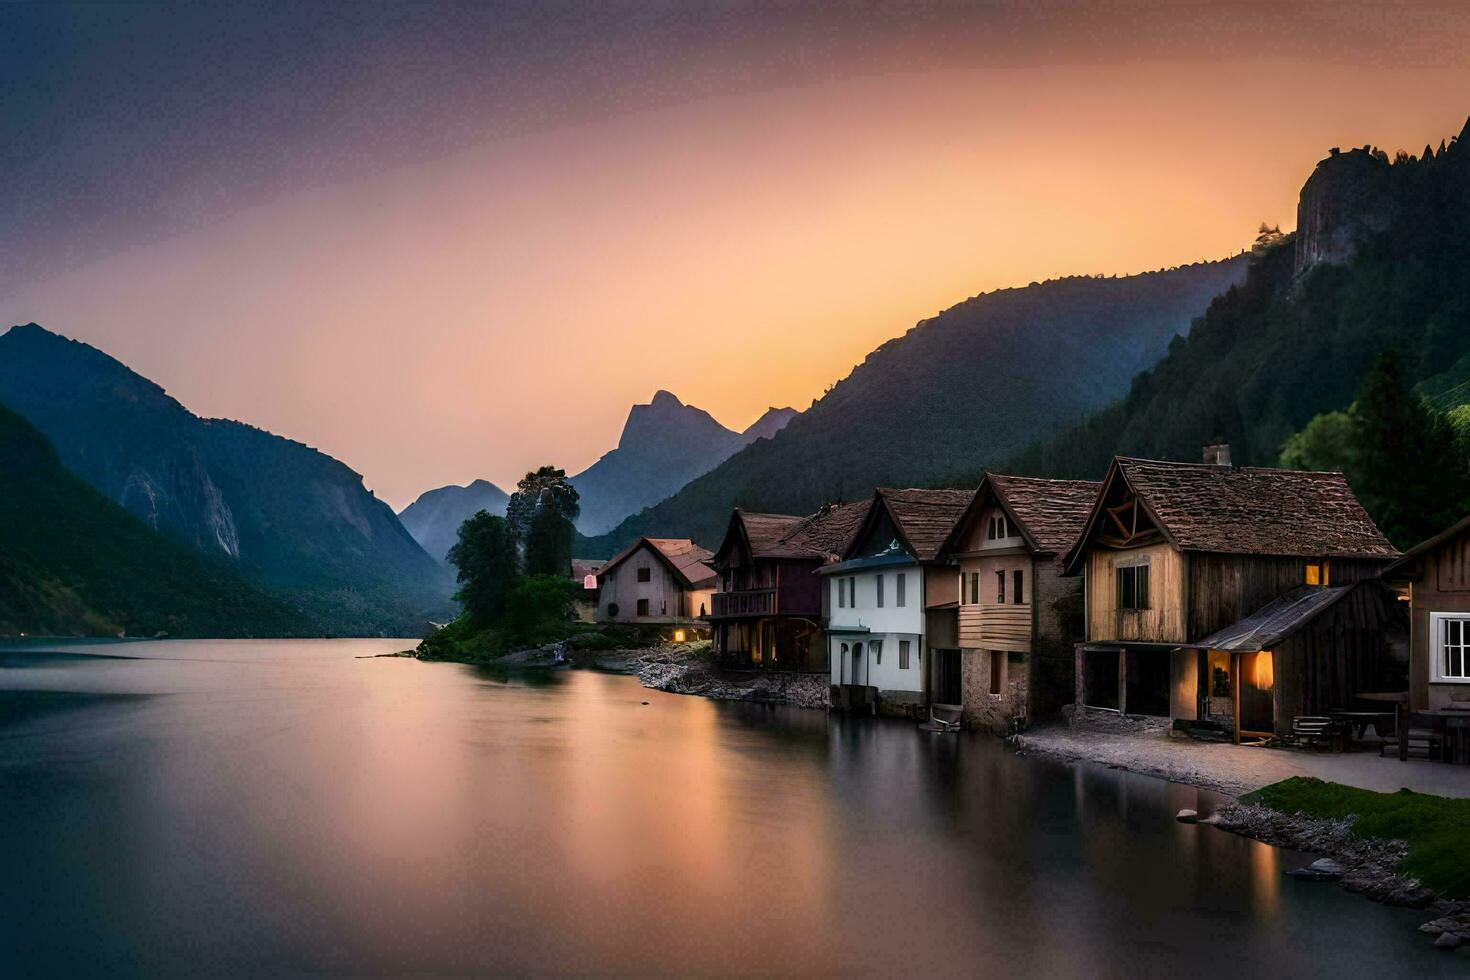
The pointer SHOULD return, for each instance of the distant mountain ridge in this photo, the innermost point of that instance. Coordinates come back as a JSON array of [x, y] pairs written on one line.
[[293, 520], [434, 518], [664, 444], [75, 563], [967, 388]]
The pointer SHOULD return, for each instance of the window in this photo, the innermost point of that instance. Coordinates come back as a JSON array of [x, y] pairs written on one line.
[[645, 574], [974, 588], [879, 579], [612, 609], [1316, 573], [841, 593], [1449, 635], [877, 647], [1000, 587], [999, 528], [903, 581], [852, 592], [903, 654], [643, 607], [1018, 593], [1133, 587], [997, 672]]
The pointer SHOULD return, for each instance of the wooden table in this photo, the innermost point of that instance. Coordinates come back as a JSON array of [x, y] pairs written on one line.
[[1453, 722], [1361, 720]]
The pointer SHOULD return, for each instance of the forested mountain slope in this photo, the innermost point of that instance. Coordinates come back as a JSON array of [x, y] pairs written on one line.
[[962, 390], [74, 563], [1381, 260]]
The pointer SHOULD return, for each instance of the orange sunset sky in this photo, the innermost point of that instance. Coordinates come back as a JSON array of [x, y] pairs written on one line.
[[741, 227]]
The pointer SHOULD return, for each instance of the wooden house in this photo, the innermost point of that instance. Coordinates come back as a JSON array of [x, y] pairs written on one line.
[[1197, 574], [657, 581], [769, 611], [890, 597], [1437, 573], [1018, 617]]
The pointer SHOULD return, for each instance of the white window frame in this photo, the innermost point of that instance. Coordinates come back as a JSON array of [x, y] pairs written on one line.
[[900, 590], [1437, 621]]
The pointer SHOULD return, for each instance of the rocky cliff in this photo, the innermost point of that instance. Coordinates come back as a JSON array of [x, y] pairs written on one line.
[[287, 517], [434, 518]]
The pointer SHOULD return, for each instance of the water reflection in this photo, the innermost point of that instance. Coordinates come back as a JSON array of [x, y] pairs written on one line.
[[286, 807]]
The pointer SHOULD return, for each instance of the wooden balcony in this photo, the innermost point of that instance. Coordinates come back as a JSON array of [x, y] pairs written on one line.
[[747, 602], [996, 626]]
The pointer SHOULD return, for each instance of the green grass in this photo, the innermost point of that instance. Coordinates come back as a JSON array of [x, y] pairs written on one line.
[[1436, 829]]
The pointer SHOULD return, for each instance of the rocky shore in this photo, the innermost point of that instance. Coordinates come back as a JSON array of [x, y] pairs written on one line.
[[678, 672]]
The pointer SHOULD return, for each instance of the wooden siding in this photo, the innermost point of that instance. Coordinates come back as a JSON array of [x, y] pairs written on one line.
[[989, 625], [621, 588], [1224, 589], [1005, 627], [1442, 585], [1162, 622]]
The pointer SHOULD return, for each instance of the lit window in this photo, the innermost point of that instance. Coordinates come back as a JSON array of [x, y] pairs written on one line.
[[678, 636], [903, 654], [1133, 587], [1450, 654], [1317, 573], [902, 588]]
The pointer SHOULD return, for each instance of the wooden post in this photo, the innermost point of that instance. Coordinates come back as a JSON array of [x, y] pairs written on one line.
[[1235, 694], [1123, 681]]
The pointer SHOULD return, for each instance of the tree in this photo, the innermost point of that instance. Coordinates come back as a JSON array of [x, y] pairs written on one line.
[[1411, 475], [485, 555], [541, 512], [1326, 443]]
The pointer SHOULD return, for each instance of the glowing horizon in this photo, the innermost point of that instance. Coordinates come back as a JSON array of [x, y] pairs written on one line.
[[500, 304]]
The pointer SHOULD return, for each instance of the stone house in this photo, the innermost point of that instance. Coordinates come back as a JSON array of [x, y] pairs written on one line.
[[1197, 575], [889, 598], [657, 581], [1018, 617]]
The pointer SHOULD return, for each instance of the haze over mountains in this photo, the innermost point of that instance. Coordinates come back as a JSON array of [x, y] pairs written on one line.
[[969, 387], [290, 519], [434, 518], [664, 445]]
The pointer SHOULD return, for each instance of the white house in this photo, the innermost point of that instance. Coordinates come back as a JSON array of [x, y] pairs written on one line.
[[879, 601]]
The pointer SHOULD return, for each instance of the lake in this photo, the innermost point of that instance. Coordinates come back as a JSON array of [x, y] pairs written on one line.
[[249, 807]]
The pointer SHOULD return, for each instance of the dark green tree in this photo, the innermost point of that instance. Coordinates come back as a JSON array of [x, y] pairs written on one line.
[[549, 545], [1410, 472], [486, 558], [541, 514]]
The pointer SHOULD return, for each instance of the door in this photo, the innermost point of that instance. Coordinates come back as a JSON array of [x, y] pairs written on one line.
[[858, 675], [1256, 682], [944, 677]]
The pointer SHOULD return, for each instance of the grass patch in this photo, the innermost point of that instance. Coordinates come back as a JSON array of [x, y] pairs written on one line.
[[1437, 829]]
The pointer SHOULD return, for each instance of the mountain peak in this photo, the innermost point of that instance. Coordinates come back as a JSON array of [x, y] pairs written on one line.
[[663, 398], [772, 421]]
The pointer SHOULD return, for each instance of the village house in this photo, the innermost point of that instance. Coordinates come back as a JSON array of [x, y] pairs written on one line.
[[770, 609], [1231, 597], [889, 597], [1437, 573], [657, 581], [1018, 617]]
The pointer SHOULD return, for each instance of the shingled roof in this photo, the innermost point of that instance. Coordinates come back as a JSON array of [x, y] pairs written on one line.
[[826, 533], [687, 560], [923, 518], [1252, 510], [1051, 513]]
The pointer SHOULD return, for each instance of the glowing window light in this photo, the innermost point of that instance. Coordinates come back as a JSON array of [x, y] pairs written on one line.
[[1264, 673], [678, 636]]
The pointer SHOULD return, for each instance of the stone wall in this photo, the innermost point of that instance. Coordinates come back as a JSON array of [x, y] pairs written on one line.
[[993, 712]]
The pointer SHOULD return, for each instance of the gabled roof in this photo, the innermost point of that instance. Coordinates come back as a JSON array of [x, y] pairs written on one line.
[[582, 567], [1401, 567], [1277, 620], [922, 518], [1050, 514], [1245, 510], [687, 560], [818, 536]]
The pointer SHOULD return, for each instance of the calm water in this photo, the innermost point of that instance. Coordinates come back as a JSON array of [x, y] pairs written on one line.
[[284, 807]]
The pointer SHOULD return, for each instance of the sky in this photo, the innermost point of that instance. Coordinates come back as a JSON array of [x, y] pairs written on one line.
[[450, 241]]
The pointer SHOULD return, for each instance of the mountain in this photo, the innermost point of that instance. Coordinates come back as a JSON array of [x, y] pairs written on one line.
[[291, 520], [434, 518], [965, 389], [75, 563], [1380, 260], [664, 445]]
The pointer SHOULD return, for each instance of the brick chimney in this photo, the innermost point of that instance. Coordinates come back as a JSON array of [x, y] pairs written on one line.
[[1218, 454]]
